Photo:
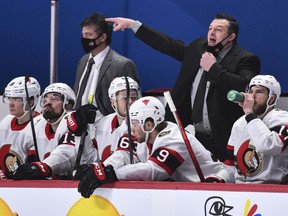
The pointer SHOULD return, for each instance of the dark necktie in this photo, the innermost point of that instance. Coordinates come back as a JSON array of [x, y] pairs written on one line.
[[197, 112], [84, 82]]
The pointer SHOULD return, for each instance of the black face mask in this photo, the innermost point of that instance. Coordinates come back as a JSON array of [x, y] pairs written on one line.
[[218, 47], [89, 44]]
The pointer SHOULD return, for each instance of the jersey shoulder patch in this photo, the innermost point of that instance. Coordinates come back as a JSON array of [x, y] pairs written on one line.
[[164, 133]]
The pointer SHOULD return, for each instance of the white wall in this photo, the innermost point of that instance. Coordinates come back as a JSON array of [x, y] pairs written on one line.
[[4, 110]]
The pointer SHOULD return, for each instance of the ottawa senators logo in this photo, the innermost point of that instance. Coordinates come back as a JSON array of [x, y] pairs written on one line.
[[248, 161], [12, 161], [9, 159]]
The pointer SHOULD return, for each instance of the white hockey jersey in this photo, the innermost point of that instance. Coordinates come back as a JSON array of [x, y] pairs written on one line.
[[61, 152], [257, 150], [169, 158], [45, 138], [16, 143], [107, 135]]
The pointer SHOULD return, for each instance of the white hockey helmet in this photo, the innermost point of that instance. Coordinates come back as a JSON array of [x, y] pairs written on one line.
[[16, 88], [147, 107], [119, 84], [270, 83], [63, 89]]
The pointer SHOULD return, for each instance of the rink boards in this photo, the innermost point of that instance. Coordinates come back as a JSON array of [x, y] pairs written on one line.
[[55, 197]]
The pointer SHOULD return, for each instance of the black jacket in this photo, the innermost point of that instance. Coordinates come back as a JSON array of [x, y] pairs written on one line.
[[234, 71]]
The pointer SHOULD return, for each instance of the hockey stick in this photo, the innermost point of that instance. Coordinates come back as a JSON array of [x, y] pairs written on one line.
[[80, 148], [83, 135], [31, 118], [128, 121], [184, 135]]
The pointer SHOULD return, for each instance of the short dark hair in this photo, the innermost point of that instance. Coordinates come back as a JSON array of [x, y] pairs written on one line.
[[233, 24], [101, 25]]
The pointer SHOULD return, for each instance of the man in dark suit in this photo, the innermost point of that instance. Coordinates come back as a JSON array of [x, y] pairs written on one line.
[[223, 63], [106, 65]]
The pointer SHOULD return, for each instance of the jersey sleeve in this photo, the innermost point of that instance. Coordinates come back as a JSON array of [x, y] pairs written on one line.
[[168, 159], [63, 157], [160, 166], [148, 171], [267, 141], [119, 159], [121, 156]]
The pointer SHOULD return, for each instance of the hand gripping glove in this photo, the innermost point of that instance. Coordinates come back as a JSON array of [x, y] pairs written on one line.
[[92, 176], [78, 120], [34, 170], [214, 179]]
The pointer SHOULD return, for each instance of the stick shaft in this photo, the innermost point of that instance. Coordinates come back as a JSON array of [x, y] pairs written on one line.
[[128, 121], [31, 119], [184, 135], [84, 133], [80, 149]]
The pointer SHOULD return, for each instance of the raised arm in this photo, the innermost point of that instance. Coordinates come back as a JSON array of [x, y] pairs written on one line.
[[121, 23]]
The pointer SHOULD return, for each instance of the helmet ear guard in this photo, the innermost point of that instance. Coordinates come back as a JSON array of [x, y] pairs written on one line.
[[147, 108]]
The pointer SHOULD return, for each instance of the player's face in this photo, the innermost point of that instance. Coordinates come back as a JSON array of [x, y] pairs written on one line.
[[218, 30], [121, 98], [137, 131], [52, 106], [260, 95], [16, 106]]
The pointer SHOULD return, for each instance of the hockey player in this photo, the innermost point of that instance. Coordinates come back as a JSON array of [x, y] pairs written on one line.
[[257, 145], [56, 100], [15, 130], [111, 127], [168, 156], [111, 131]]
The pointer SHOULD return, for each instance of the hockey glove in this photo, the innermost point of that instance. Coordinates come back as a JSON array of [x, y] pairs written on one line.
[[92, 176], [34, 170], [213, 179], [78, 120], [284, 180]]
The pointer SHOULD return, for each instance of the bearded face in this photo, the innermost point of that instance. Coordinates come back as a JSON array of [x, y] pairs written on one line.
[[52, 107]]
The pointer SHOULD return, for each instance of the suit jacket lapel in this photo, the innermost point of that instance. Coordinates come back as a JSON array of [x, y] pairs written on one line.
[[80, 72], [104, 67], [227, 60]]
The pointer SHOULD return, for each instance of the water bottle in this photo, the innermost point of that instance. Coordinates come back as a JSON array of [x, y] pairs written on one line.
[[235, 96]]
